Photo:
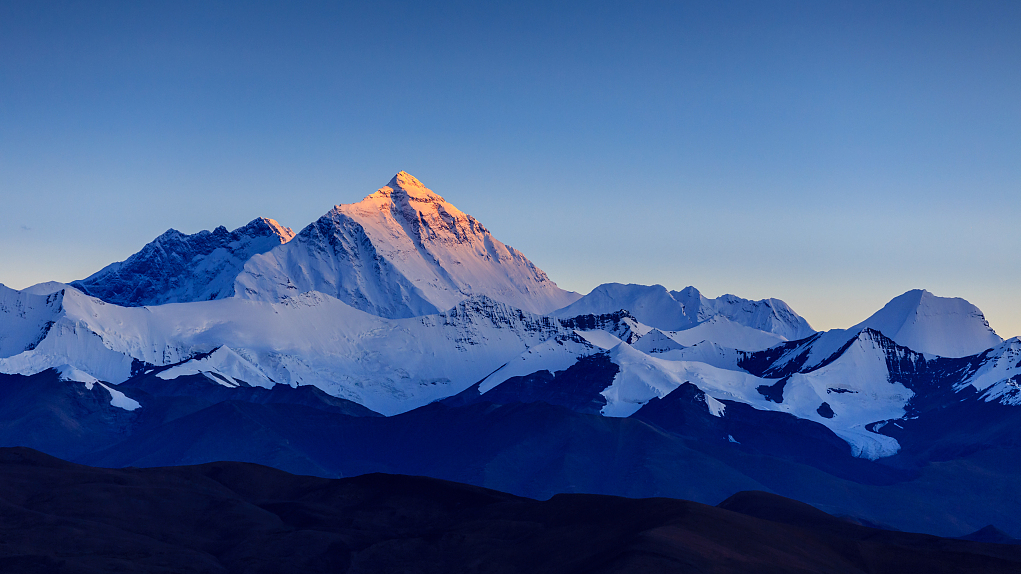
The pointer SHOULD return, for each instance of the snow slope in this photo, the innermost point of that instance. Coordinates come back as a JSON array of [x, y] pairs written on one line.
[[769, 315], [999, 377], [679, 310], [25, 318], [856, 387], [387, 365], [652, 305], [403, 251], [723, 331], [176, 268], [923, 322]]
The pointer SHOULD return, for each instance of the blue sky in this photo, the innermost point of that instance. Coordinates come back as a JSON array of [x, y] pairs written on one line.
[[831, 154]]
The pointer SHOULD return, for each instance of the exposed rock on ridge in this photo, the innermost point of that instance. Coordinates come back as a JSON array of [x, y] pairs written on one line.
[[179, 268], [402, 251]]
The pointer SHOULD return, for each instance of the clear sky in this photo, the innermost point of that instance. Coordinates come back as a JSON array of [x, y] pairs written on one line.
[[831, 154]]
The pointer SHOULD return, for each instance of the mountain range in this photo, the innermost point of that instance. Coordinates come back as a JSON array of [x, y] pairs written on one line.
[[397, 334], [63, 517]]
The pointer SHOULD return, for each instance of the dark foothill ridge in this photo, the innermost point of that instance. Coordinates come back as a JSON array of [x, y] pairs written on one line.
[[57, 516]]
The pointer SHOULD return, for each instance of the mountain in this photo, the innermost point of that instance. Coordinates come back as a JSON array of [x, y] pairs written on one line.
[[177, 268], [539, 449], [653, 305], [388, 365], [948, 327], [26, 319], [579, 409], [769, 315], [403, 251], [723, 331], [265, 520], [849, 393], [396, 335], [680, 310]]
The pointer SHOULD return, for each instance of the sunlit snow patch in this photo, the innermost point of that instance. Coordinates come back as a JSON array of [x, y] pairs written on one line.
[[117, 398], [716, 408], [223, 366], [120, 400]]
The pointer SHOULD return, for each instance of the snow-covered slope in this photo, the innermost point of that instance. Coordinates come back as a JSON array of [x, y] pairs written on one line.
[[653, 305], [769, 315], [999, 376], [944, 326], [918, 320], [848, 395], [403, 251], [723, 331], [176, 268], [25, 318], [387, 365], [852, 382], [679, 310]]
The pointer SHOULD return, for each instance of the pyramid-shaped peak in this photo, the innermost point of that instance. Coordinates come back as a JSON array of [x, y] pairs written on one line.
[[404, 180], [403, 188], [266, 226], [927, 323]]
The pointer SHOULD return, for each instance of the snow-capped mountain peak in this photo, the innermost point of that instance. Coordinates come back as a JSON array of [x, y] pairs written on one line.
[[944, 326], [402, 251], [177, 267], [410, 186], [685, 309]]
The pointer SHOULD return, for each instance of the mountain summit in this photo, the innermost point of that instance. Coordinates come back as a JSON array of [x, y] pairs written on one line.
[[944, 326], [179, 268], [400, 252]]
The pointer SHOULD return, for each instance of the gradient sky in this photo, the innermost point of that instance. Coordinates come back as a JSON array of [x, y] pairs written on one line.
[[831, 154]]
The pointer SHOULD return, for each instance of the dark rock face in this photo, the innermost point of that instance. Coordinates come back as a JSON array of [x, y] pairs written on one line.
[[542, 437], [578, 387], [779, 435], [236, 517], [773, 392], [176, 268]]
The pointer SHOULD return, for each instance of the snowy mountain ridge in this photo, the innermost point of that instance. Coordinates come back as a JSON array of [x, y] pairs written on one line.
[[401, 300], [402, 251], [943, 326], [178, 268], [386, 364], [666, 310]]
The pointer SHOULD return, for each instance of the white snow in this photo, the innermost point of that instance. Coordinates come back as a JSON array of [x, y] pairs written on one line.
[[656, 342], [706, 352], [998, 378], [860, 372], [600, 339], [46, 288], [722, 331], [120, 400], [679, 310], [387, 365], [553, 355], [403, 251], [24, 317], [69, 373], [716, 408], [394, 365], [225, 362], [197, 274], [651, 305], [642, 378], [117, 398], [923, 322], [769, 315]]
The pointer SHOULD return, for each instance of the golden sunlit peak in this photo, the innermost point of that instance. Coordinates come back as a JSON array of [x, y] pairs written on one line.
[[404, 180]]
